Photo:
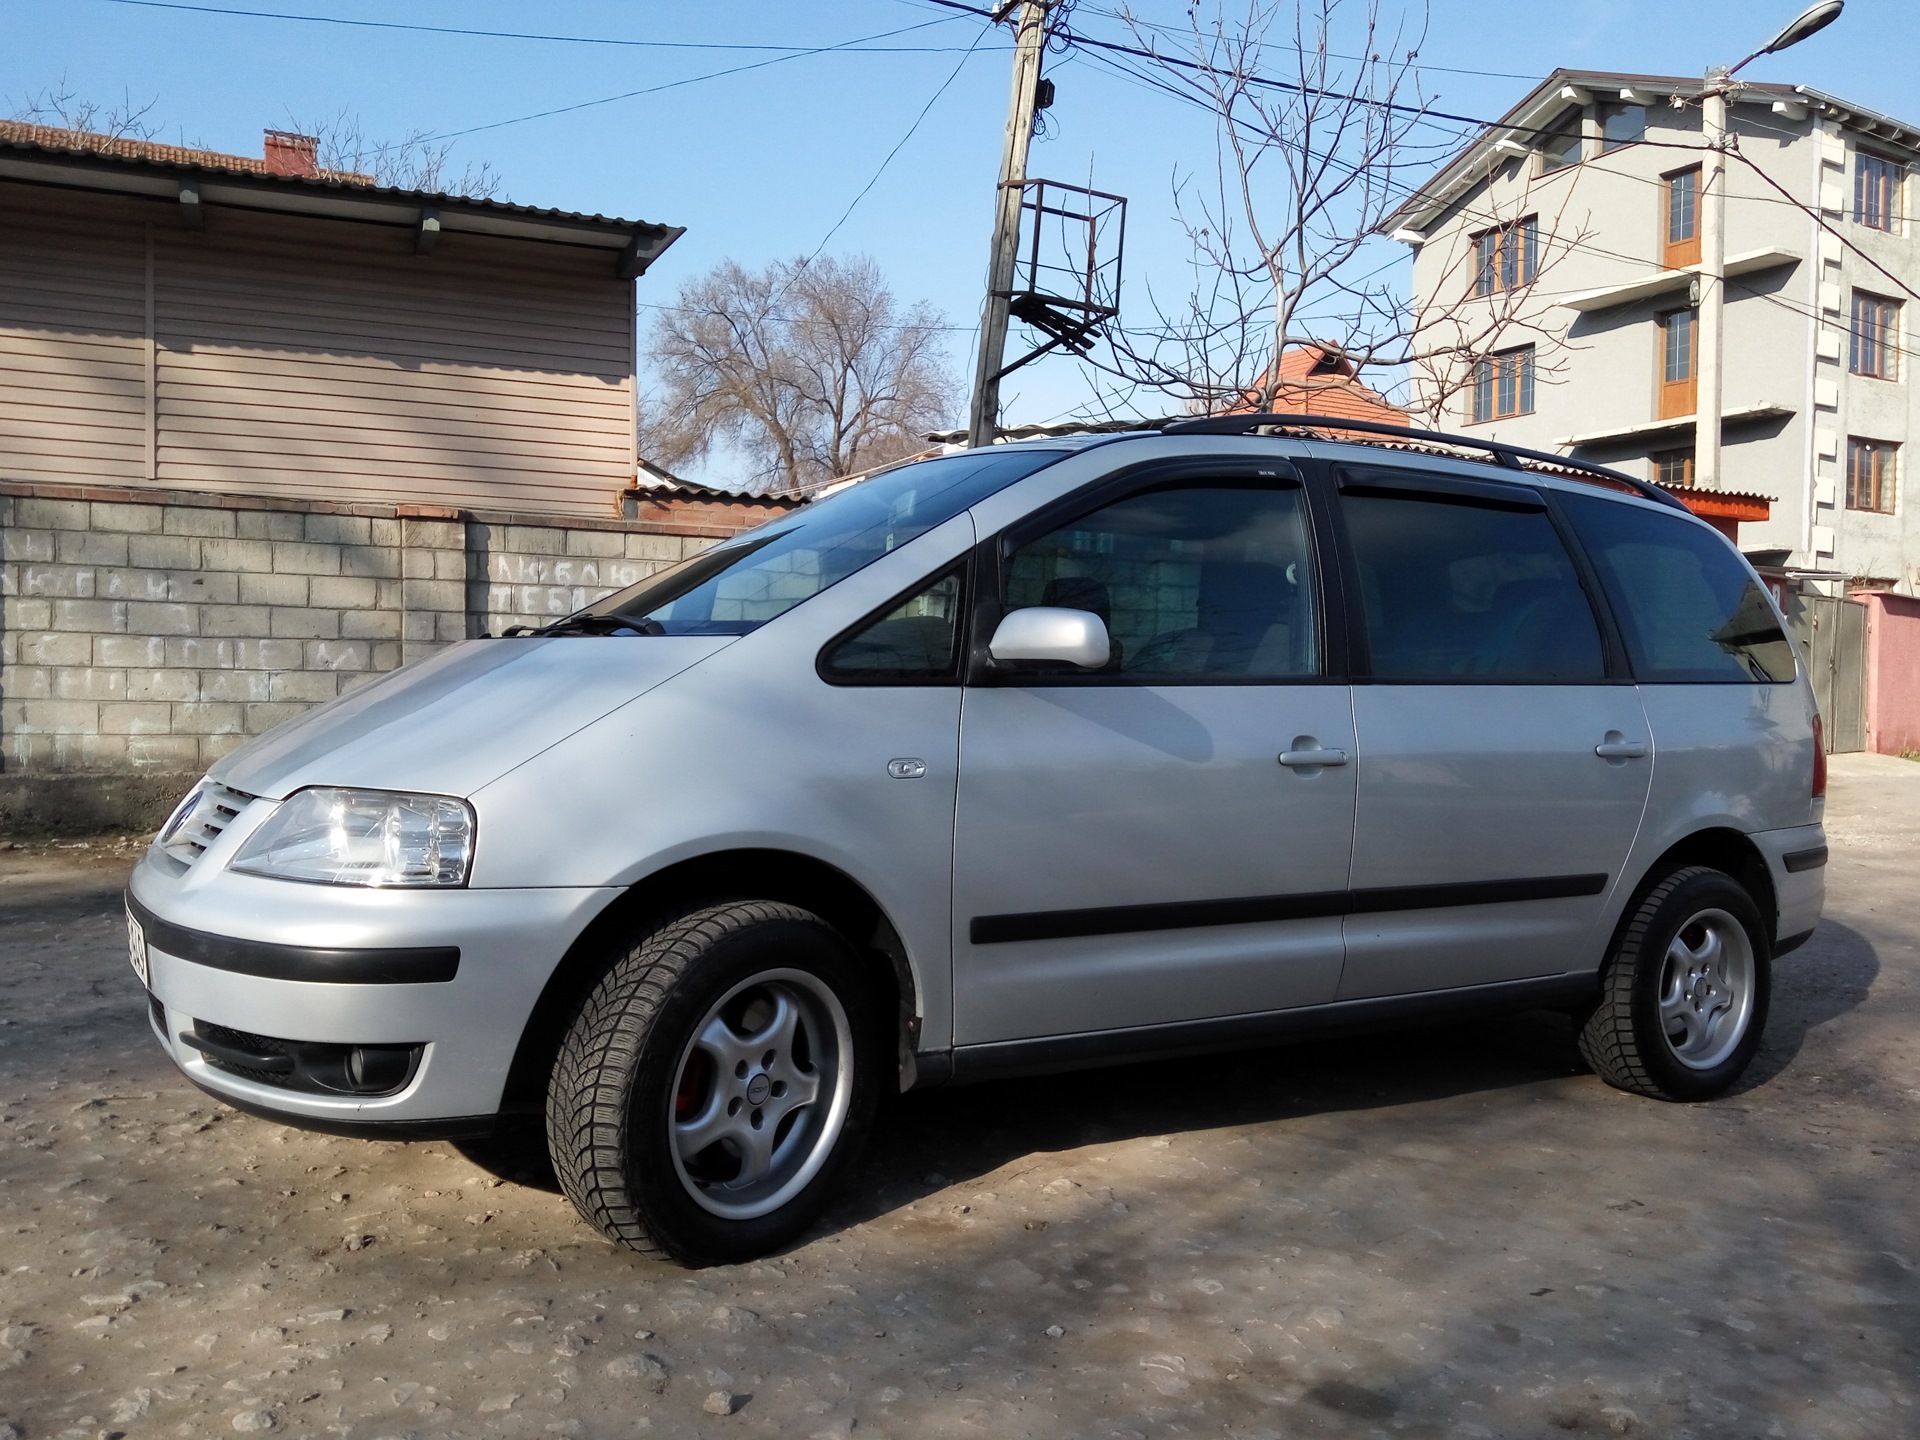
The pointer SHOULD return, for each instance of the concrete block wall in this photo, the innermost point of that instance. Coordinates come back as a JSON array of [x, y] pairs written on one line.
[[153, 632], [529, 574]]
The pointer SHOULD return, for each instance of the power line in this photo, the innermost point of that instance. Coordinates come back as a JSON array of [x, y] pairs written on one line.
[[666, 85], [1172, 33], [898, 146], [1266, 81], [1822, 222], [461, 30], [1124, 70]]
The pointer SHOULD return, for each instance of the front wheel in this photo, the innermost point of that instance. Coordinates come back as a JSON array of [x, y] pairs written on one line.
[[716, 1084], [1685, 991]]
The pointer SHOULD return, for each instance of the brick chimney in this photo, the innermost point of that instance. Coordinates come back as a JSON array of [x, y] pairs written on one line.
[[290, 154]]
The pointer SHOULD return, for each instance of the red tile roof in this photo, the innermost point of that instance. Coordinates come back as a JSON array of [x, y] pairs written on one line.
[[286, 153], [1317, 381]]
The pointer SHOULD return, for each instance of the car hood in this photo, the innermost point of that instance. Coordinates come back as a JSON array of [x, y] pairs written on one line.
[[451, 723]]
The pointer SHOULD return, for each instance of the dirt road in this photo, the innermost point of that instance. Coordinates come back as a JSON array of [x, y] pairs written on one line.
[[1456, 1232]]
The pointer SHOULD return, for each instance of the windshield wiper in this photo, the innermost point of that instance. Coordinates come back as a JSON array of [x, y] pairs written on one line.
[[589, 624]]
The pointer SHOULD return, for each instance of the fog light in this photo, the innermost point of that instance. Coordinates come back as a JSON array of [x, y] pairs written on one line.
[[376, 1069]]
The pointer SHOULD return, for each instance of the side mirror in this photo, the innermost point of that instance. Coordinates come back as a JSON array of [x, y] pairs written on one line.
[[1055, 636]]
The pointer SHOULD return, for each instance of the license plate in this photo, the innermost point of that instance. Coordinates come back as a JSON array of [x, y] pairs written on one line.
[[137, 948]]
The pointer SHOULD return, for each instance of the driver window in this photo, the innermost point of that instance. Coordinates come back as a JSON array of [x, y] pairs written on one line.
[[1196, 583]]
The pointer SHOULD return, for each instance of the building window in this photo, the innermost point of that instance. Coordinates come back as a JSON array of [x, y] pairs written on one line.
[[1677, 386], [1507, 258], [1682, 242], [1870, 474], [1622, 125], [1673, 469], [1561, 145], [1876, 192], [1503, 384], [1874, 346]]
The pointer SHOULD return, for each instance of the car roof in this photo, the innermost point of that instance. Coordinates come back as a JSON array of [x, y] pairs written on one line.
[[1375, 440]]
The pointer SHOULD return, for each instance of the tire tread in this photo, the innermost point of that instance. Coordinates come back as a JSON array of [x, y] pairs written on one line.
[[1609, 1041], [588, 1113]]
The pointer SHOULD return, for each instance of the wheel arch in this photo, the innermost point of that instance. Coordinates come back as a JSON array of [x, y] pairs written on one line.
[[759, 874], [1719, 847]]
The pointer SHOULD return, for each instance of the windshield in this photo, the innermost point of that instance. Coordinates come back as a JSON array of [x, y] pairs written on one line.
[[742, 584]]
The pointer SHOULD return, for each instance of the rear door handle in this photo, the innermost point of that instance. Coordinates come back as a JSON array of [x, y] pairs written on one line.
[[1303, 759], [1620, 750]]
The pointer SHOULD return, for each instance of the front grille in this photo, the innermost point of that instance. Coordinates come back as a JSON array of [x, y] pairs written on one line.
[[156, 1012], [201, 819]]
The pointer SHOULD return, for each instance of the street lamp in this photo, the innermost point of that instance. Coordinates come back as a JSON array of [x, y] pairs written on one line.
[[1814, 17], [1713, 236]]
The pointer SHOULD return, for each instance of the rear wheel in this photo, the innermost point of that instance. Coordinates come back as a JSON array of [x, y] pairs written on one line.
[[1684, 994], [716, 1084]]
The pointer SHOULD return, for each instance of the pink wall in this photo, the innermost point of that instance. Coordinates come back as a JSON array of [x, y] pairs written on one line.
[[1893, 671]]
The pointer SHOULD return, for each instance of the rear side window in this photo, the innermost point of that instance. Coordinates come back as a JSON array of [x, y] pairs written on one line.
[[1454, 590], [1690, 609]]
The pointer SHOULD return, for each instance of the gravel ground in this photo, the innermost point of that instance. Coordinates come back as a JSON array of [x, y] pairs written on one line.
[[1452, 1232]]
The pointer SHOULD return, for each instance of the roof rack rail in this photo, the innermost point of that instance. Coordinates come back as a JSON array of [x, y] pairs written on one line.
[[1503, 454]]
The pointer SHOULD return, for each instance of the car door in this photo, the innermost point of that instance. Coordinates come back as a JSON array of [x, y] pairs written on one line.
[[1166, 839], [1506, 756]]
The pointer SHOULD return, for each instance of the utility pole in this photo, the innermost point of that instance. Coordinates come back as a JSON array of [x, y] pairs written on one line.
[[1032, 36], [1709, 325], [1711, 315]]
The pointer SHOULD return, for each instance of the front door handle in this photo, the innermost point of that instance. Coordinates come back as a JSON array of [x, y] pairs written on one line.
[[1617, 747], [1306, 759]]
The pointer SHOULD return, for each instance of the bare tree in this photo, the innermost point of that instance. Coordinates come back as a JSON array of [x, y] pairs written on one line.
[[64, 109], [416, 161], [1321, 133], [1467, 314], [809, 368]]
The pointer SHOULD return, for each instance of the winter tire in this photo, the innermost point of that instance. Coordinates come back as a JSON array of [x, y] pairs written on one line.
[[1684, 994], [716, 1084]]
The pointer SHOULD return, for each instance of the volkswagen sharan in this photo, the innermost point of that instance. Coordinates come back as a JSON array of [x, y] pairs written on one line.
[[1031, 757]]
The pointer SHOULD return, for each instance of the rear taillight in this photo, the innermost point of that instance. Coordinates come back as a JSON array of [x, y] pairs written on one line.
[[1819, 759]]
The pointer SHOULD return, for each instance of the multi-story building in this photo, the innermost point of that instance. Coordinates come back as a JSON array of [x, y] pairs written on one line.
[[1557, 258]]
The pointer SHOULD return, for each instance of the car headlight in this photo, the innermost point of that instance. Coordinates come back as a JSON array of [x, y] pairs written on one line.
[[363, 837]]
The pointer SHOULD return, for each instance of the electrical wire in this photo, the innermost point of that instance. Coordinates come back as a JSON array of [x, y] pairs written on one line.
[[873, 180], [1174, 34], [1265, 81], [899, 145], [844, 45], [182, 5], [1823, 223]]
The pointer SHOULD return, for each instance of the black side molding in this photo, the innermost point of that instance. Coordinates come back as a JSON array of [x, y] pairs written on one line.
[[1798, 860], [1041, 1056], [1255, 909], [313, 964]]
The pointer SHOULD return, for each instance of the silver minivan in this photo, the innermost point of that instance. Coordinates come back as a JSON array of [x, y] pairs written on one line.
[[1026, 758]]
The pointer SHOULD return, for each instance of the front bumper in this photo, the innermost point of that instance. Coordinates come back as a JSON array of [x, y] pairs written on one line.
[[260, 953]]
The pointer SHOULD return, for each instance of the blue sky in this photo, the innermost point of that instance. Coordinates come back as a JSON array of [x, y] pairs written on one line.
[[764, 163]]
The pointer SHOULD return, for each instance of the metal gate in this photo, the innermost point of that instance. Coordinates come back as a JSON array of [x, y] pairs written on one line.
[[1833, 633]]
